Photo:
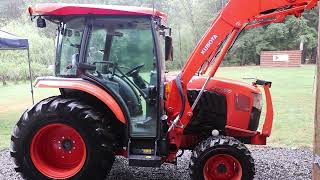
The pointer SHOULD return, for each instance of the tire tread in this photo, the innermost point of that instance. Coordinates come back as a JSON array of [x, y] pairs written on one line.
[[58, 105], [216, 142]]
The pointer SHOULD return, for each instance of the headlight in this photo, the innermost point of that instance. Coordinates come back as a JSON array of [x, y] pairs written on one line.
[[257, 100], [242, 102]]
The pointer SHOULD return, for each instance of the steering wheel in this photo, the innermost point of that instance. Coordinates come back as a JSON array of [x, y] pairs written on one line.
[[134, 70]]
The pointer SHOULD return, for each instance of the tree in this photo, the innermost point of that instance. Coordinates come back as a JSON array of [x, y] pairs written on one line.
[[11, 10]]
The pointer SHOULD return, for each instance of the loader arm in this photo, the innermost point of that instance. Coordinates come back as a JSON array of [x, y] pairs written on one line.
[[223, 31], [236, 15]]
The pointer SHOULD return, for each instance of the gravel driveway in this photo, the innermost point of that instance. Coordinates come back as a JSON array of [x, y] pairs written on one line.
[[271, 163]]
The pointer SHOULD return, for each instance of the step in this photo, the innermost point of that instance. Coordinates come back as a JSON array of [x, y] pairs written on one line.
[[144, 160]]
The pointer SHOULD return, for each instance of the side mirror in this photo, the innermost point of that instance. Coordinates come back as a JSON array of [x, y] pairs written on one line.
[[41, 23], [168, 49]]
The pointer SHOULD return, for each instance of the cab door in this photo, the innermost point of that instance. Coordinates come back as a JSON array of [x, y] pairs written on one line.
[[124, 53]]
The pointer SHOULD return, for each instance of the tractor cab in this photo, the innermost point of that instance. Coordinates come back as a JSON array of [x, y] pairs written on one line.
[[123, 54], [120, 54]]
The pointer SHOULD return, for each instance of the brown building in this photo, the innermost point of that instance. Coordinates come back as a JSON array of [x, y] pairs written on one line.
[[280, 58]]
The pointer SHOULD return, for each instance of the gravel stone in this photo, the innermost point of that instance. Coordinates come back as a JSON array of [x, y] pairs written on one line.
[[271, 163]]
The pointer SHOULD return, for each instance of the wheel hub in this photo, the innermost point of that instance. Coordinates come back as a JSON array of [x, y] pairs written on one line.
[[67, 144], [221, 168]]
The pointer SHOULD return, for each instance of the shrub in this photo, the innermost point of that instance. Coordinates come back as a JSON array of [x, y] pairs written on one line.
[[14, 63]]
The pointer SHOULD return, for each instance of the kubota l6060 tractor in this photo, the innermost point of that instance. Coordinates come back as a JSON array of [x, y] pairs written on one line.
[[116, 98]]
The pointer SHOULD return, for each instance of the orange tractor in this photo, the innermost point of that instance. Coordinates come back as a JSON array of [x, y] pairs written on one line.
[[116, 99]]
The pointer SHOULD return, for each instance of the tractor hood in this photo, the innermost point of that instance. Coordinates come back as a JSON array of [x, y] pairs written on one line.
[[222, 85], [197, 82]]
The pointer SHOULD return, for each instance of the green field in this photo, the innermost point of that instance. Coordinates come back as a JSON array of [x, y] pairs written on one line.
[[292, 92]]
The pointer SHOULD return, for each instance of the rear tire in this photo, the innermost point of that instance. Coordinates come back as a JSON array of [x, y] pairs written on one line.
[[62, 138], [222, 158]]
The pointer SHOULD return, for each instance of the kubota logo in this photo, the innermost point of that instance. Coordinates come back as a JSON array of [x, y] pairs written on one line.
[[209, 44]]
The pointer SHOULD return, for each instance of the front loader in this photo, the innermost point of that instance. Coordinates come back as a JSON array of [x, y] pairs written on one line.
[[117, 100]]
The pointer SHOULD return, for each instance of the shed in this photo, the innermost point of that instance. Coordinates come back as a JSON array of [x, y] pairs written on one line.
[[280, 58]]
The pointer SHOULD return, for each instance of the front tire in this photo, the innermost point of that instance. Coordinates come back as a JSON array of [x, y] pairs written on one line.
[[62, 138], [221, 158]]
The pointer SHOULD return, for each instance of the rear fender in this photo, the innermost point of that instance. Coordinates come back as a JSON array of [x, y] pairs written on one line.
[[83, 85]]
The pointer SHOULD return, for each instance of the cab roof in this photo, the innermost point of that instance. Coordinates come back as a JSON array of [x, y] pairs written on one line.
[[61, 9]]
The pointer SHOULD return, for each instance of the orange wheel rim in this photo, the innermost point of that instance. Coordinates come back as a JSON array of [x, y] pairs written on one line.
[[58, 151], [222, 167]]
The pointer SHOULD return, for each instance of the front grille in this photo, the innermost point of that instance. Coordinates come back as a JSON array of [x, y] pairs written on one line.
[[254, 119]]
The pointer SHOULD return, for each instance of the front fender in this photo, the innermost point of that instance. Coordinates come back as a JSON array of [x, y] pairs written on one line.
[[83, 85]]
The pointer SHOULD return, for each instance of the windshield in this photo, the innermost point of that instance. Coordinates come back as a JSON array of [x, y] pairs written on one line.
[[125, 42], [68, 47]]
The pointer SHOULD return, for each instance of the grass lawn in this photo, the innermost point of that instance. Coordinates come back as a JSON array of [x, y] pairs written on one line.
[[292, 93]]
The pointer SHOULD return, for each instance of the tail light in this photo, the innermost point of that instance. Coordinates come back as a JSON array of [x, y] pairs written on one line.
[[257, 100]]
